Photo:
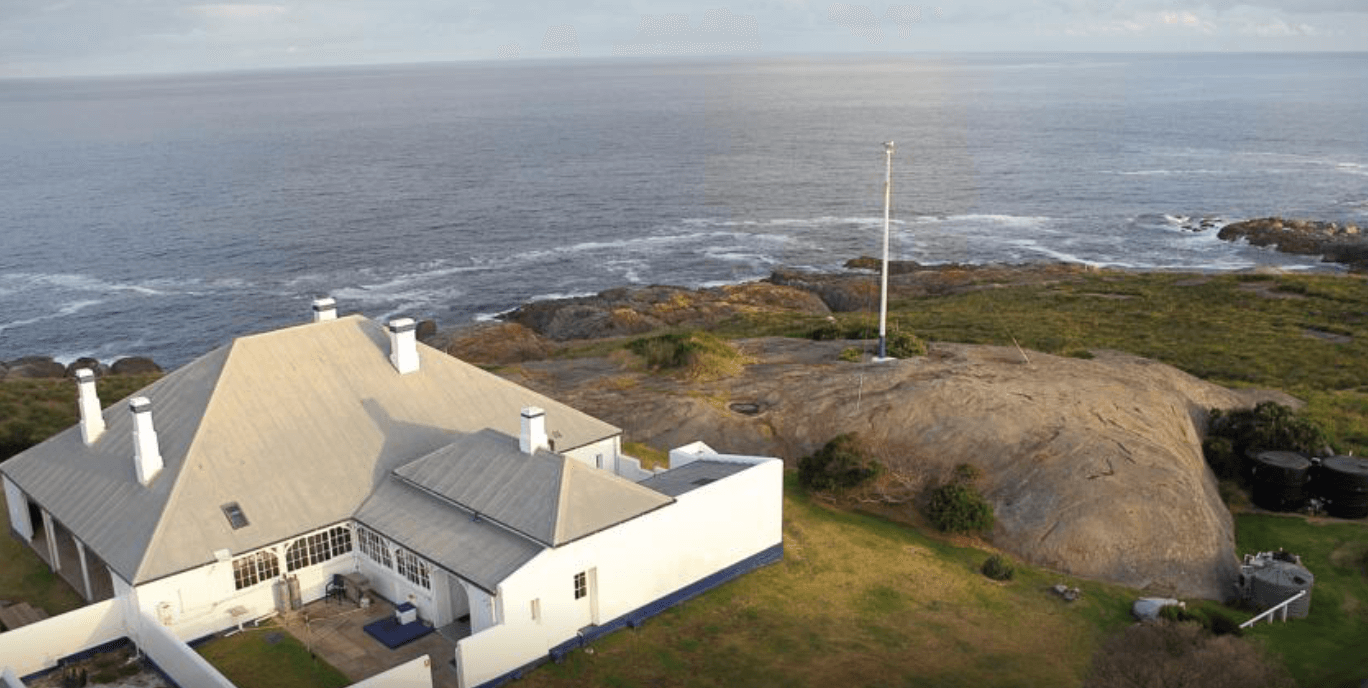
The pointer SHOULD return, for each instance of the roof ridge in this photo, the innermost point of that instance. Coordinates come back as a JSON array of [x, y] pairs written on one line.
[[173, 495], [562, 503]]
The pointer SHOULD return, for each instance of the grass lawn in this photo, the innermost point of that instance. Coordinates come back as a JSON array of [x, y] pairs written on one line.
[[269, 657], [1330, 646], [860, 601], [34, 410]]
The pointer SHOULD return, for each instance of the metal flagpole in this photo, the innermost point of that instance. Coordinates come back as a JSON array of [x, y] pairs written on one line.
[[883, 289]]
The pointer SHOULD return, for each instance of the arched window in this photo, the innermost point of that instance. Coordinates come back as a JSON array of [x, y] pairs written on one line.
[[318, 548], [255, 568]]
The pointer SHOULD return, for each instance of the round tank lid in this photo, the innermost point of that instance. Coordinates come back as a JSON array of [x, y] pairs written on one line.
[[1356, 465], [1283, 459]]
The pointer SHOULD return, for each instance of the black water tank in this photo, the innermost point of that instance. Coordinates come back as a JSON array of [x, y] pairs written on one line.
[[1279, 480], [1342, 481]]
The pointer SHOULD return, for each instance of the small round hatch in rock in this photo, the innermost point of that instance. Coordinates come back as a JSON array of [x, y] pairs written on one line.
[[745, 408]]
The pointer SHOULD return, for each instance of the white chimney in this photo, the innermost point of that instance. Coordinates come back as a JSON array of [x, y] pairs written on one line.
[[92, 418], [533, 435], [324, 309], [146, 454], [403, 345]]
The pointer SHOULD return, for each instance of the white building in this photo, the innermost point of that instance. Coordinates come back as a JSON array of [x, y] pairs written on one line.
[[341, 446]]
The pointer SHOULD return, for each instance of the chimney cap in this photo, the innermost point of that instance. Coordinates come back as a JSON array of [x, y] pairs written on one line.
[[84, 375], [402, 325], [533, 412], [140, 404], [324, 303]]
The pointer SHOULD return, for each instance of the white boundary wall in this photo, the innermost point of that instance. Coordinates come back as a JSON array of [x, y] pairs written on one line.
[[38, 646], [628, 566], [177, 659], [414, 674]]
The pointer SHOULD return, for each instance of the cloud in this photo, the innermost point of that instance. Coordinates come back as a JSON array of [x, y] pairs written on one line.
[[240, 11], [720, 32]]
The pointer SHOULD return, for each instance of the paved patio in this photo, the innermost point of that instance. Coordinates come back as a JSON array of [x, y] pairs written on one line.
[[333, 630]]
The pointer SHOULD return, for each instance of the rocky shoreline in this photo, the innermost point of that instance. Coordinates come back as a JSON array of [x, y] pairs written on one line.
[[533, 330], [1335, 243], [31, 367]]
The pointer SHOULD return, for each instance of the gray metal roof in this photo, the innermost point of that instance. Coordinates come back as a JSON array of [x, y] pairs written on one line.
[[548, 497], [478, 551], [298, 426], [691, 476]]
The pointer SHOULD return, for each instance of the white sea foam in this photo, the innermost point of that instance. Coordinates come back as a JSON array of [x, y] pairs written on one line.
[[66, 310]]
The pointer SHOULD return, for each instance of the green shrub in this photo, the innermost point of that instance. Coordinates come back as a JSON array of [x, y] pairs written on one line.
[[841, 464], [1211, 620], [998, 568], [1232, 434], [852, 354], [694, 354], [901, 344], [827, 331], [959, 508]]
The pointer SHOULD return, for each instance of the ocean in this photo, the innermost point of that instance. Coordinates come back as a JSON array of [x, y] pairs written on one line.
[[165, 215]]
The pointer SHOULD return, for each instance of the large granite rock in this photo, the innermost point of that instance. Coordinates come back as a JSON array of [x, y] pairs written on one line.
[[1094, 467], [134, 365], [493, 343], [637, 310], [34, 367], [1345, 244]]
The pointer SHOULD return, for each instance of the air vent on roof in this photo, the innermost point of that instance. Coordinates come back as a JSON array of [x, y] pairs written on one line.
[[702, 481], [236, 518]]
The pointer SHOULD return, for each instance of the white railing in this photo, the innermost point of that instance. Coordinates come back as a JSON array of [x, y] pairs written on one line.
[[1272, 611]]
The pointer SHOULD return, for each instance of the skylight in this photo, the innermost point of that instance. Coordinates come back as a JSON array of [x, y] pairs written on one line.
[[236, 518]]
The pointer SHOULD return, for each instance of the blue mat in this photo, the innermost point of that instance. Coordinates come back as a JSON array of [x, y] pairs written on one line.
[[392, 634]]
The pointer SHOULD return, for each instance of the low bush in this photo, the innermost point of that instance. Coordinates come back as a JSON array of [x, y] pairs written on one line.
[[998, 568], [957, 506], [1212, 621], [852, 354], [1166, 654], [1232, 434], [903, 344], [841, 464], [697, 355]]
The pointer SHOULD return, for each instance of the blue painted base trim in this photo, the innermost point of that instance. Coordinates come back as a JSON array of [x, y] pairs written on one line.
[[635, 617]]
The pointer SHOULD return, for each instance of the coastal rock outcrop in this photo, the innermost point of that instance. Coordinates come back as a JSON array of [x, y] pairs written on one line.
[[1094, 467], [493, 343], [858, 289], [134, 365], [1336, 243], [636, 310], [33, 367]]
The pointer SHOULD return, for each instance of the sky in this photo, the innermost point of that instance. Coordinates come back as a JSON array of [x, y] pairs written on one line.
[[99, 37]]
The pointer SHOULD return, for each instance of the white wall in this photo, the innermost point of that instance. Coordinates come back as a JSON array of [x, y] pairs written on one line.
[[9, 680], [18, 510], [590, 453], [177, 659], [432, 604], [196, 602], [414, 674], [635, 563], [38, 646]]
